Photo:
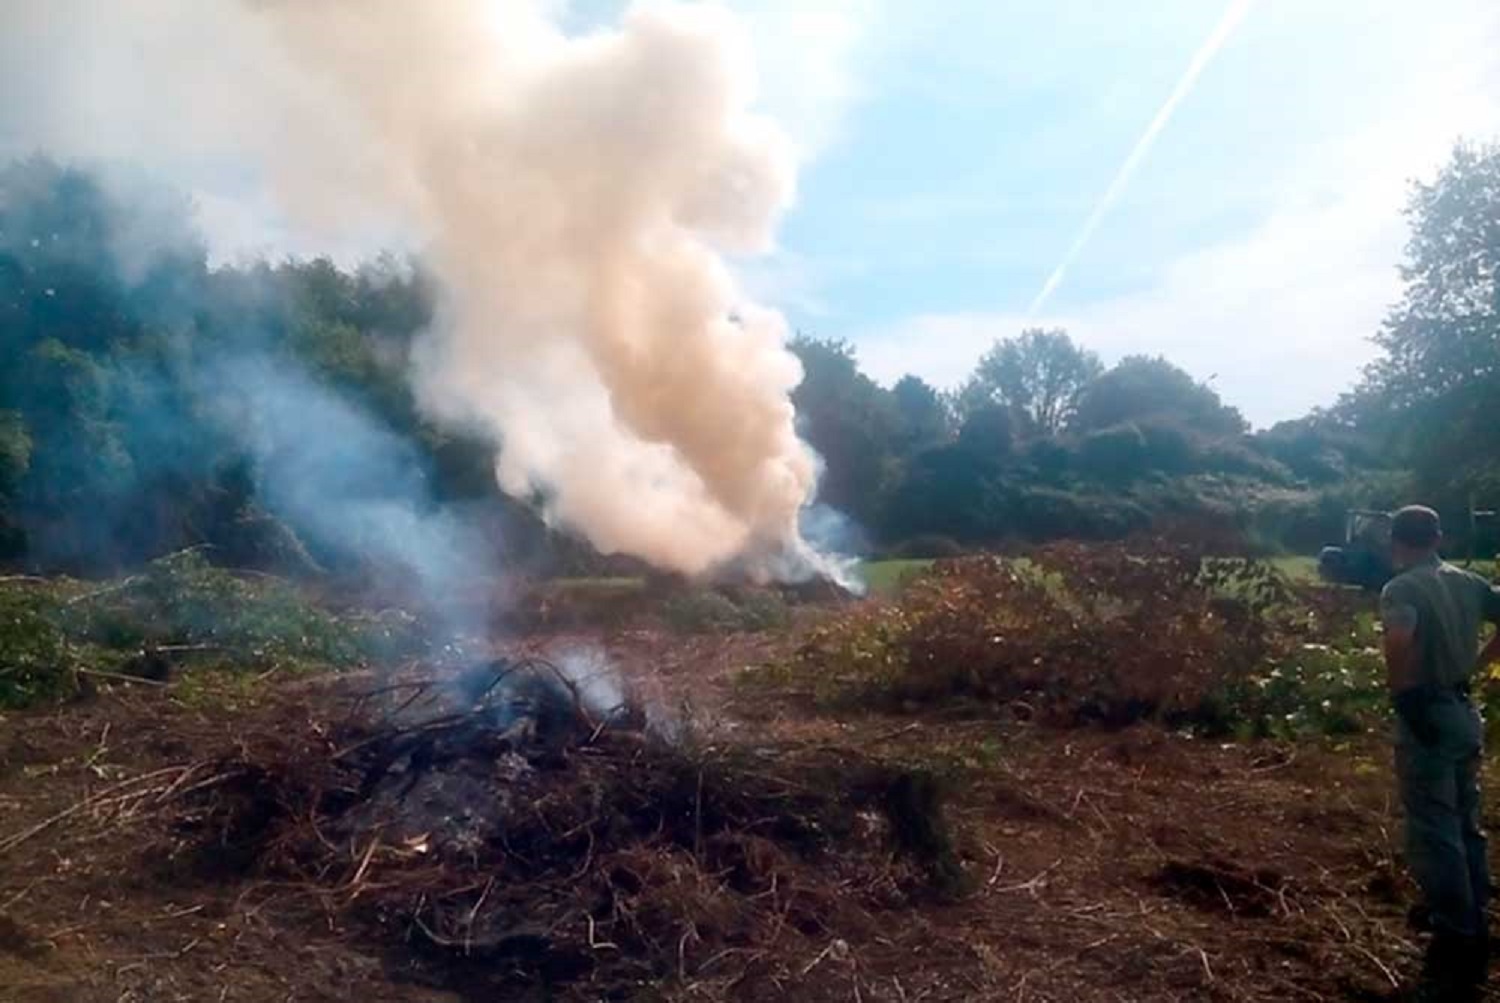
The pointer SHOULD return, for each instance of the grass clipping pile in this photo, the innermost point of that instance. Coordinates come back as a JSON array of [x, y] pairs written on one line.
[[496, 834]]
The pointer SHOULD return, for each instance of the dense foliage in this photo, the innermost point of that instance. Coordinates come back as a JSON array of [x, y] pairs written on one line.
[[145, 395], [1044, 442], [58, 635], [1107, 634], [137, 416], [1432, 393]]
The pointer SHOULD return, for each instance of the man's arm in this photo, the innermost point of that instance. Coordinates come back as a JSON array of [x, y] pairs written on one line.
[[1402, 669], [1410, 697], [1398, 621]]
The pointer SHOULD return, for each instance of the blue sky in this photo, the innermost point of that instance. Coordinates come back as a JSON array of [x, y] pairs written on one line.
[[1255, 244], [952, 151]]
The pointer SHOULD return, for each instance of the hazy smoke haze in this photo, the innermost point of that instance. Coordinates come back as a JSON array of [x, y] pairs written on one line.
[[574, 196]]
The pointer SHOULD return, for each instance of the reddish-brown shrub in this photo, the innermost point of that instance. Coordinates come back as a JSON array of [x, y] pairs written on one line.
[[1068, 633]]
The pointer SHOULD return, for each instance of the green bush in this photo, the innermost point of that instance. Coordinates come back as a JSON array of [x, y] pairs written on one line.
[[707, 612], [15, 450], [1303, 521], [762, 610], [36, 659], [701, 612], [1170, 448], [1050, 458], [1051, 514], [1232, 456], [183, 599], [1317, 689], [49, 630], [1114, 455]]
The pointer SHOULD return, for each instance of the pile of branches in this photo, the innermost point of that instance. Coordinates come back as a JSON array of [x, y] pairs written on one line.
[[1067, 633], [522, 840]]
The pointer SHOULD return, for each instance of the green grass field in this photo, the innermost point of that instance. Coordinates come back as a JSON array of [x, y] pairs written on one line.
[[1298, 568], [886, 578]]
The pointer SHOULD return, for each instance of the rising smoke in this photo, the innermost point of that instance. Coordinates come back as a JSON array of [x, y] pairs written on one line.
[[348, 484], [575, 197], [574, 193]]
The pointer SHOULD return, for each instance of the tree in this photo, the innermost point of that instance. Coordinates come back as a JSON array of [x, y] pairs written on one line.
[[1439, 377], [1144, 389], [851, 422], [986, 436], [122, 420], [1116, 454], [1320, 447], [940, 492], [1037, 376], [921, 412], [949, 488], [15, 451]]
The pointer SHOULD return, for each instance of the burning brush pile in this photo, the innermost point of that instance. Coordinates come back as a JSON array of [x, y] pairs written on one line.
[[504, 832]]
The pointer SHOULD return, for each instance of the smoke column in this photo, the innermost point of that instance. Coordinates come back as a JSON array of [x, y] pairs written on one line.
[[575, 195]]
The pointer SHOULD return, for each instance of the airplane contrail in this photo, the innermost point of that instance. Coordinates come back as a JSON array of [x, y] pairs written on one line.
[[1233, 15]]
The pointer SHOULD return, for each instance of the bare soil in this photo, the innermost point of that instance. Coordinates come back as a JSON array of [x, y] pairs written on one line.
[[1130, 865]]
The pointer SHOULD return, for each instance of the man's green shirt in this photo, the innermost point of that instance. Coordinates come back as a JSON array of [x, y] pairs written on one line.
[[1447, 606]]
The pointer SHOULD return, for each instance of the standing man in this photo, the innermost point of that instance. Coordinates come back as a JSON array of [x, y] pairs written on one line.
[[1433, 613]]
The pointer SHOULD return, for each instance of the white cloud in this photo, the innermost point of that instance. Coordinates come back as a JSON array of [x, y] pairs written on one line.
[[808, 62], [1281, 318]]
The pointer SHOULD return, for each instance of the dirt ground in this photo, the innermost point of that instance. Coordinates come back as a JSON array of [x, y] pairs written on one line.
[[1131, 865]]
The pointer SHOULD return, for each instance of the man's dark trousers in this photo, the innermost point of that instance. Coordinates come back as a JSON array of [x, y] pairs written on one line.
[[1445, 841]]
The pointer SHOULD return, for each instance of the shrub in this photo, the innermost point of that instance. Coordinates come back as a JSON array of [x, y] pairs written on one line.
[[1116, 454], [1049, 457], [1072, 634], [51, 630], [1301, 522], [1315, 689], [706, 611], [1051, 514], [36, 660], [1231, 456], [183, 599], [1169, 447], [700, 612], [763, 610]]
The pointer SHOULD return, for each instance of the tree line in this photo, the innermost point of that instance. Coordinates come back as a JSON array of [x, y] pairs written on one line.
[[122, 437], [131, 422], [1043, 440]]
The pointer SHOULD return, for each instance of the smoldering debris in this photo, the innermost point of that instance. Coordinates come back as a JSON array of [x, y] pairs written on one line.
[[502, 835]]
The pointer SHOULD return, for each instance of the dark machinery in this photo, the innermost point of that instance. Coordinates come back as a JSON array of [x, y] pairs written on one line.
[[1480, 517], [1364, 559]]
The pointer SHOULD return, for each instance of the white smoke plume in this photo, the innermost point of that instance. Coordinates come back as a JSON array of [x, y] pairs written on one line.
[[575, 196]]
